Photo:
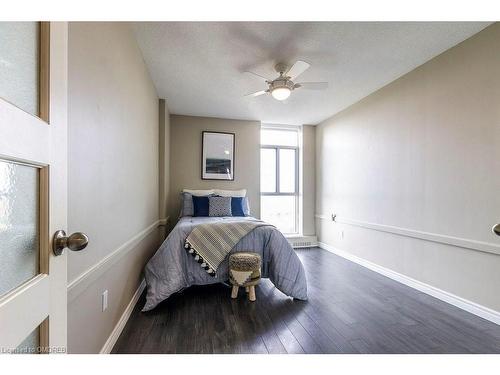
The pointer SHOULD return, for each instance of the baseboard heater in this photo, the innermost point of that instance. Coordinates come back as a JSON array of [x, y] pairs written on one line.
[[300, 242]]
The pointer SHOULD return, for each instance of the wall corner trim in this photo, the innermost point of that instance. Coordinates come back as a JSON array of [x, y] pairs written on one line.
[[469, 306], [78, 285], [120, 325]]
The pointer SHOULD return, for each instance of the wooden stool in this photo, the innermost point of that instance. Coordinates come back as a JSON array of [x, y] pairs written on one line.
[[244, 270]]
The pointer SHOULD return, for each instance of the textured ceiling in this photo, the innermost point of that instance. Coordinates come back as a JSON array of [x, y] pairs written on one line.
[[198, 67]]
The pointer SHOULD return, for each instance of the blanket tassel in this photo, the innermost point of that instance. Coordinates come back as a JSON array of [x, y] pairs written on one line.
[[198, 258]]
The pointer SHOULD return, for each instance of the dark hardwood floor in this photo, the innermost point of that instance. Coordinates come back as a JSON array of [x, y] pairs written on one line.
[[350, 310]]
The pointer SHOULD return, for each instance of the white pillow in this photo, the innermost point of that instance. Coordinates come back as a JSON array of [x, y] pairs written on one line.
[[199, 193], [231, 193]]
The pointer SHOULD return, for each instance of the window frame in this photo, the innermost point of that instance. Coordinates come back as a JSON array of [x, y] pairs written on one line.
[[277, 149], [277, 173], [44, 71]]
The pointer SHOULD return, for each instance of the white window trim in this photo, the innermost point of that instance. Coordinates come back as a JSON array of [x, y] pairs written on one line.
[[298, 171]]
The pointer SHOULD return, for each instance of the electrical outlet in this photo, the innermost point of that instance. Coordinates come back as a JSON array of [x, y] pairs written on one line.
[[104, 300], [341, 234]]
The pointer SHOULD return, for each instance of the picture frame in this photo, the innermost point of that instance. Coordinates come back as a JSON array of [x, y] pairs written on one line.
[[217, 156]]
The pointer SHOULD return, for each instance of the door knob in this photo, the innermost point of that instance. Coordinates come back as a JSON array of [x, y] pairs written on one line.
[[496, 229], [75, 242]]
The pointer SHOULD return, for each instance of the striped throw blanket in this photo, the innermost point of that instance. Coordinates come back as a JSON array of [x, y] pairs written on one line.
[[209, 244]]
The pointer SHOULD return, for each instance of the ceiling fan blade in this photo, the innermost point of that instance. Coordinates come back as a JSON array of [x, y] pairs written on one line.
[[312, 85], [257, 75], [297, 69], [258, 93]]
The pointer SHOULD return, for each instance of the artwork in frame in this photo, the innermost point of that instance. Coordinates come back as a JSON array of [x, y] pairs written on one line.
[[217, 156]]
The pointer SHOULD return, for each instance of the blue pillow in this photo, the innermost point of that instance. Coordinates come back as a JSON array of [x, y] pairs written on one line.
[[237, 206], [246, 206], [200, 206]]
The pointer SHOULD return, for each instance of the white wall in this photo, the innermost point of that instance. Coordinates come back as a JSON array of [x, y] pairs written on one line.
[[308, 179], [422, 154], [113, 176]]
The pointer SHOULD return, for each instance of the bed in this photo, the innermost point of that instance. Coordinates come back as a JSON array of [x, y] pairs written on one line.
[[172, 269]]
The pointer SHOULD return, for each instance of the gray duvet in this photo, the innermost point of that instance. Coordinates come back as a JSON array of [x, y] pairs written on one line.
[[172, 269]]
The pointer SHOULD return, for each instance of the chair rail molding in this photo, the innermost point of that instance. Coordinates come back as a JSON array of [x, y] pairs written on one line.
[[80, 283], [465, 243], [164, 221]]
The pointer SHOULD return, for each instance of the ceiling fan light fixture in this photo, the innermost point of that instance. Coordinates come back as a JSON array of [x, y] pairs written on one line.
[[281, 88], [281, 93]]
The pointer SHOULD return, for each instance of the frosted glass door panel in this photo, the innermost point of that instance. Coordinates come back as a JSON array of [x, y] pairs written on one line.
[[19, 48], [18, 224]]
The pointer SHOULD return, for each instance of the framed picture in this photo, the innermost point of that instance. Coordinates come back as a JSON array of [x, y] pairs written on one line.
[[217, 156]]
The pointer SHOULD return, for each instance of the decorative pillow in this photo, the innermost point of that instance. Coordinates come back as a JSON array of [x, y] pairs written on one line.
[[200, 193], [187, 200], [219, 206], [231, 193], [186, 205], [246, 206], [200, 206], [237, 206]]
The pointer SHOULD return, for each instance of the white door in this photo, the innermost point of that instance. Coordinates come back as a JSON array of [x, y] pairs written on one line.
[[33, 185]]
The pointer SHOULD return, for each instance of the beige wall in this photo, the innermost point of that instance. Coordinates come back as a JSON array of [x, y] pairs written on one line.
[[113, 175], [185, 158], [423, 153], [164, 155]]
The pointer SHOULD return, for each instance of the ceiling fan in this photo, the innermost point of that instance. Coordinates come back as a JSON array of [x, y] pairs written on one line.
[[281, 87]]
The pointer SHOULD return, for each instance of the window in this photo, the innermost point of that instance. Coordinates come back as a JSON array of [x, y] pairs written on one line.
[[279, 180]]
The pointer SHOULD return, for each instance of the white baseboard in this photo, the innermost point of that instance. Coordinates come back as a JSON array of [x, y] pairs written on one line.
[[452, 299], [113, 337]]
